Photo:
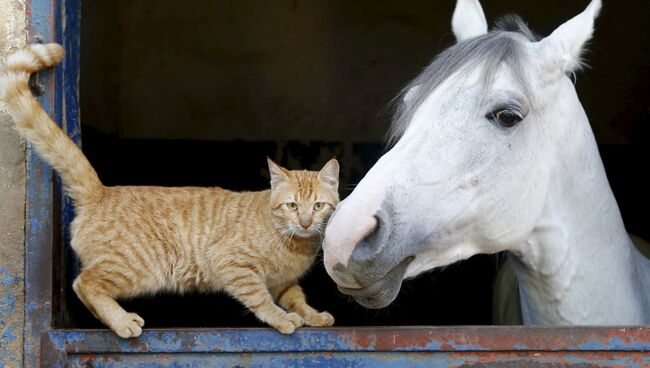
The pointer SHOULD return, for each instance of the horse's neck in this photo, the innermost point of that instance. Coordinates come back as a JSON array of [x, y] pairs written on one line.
[[579, 266]]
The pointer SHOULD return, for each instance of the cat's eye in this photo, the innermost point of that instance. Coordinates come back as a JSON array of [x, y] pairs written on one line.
[[319, 206], [292, 206]]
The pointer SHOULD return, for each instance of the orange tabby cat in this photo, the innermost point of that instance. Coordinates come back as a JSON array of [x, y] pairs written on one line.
[[140, 240]]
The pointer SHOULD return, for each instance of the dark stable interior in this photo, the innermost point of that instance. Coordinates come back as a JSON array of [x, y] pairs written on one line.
[[133, 137]]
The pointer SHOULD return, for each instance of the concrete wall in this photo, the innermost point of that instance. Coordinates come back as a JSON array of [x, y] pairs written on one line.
[[317, 69], [12, 202]]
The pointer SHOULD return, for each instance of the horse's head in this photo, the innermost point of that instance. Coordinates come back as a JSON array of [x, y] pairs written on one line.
[[475, 140]]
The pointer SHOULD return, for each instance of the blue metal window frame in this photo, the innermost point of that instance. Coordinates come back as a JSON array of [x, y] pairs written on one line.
[[59, 20], [39, 201], [48, 21], [345, 347]]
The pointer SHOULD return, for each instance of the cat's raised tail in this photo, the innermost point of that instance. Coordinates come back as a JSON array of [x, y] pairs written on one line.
[[79, 178]]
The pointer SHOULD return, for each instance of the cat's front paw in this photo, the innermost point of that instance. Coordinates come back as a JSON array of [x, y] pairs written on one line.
[[289, 324], [322, 319], [128, 326]]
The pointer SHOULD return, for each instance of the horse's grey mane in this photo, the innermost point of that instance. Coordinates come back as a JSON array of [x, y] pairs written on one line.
[[490, 50]]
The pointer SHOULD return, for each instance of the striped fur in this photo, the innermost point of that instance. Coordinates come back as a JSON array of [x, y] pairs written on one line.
[[79, 178], [141, 240]]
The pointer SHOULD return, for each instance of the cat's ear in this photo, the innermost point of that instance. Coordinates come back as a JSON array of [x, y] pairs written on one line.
[[278, 173], [329, 174]]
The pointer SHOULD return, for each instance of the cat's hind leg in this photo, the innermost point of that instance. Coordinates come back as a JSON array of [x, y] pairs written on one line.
[[97, 287], [293, 299]]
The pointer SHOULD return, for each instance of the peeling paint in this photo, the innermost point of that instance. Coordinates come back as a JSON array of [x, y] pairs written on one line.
[[7, 304], [530, 346], [7, 279], [13, 35], [8, 334]]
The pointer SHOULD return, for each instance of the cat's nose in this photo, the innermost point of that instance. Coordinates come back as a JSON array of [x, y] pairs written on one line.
[[306, 223]]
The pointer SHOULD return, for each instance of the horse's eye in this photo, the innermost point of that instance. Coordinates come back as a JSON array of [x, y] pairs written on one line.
[[505, 117]]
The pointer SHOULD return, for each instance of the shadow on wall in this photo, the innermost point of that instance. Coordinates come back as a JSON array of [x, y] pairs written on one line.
[[317, 70]]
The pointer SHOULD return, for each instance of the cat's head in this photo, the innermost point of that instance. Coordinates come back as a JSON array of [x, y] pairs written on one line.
[[302, 201]]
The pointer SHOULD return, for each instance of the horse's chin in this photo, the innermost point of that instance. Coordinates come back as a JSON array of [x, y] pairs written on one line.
[[384, 291]]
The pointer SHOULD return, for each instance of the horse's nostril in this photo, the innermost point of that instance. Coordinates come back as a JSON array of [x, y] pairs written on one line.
[[373, 230], [374, 242]]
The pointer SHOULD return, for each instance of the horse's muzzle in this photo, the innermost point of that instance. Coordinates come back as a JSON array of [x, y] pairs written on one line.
[[368, 261], [381, 293]]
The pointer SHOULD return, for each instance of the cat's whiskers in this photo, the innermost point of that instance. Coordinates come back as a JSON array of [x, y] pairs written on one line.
[[281, 233], [274, 235], [287, 237]]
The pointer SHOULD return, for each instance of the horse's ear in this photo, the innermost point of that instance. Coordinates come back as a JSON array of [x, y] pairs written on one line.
[[567, 41], [468, 20]]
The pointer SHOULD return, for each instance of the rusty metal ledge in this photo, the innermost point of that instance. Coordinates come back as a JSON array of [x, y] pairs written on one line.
[[463, 341]]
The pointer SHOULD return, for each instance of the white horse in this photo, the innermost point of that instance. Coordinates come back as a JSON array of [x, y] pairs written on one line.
[[493, 152]]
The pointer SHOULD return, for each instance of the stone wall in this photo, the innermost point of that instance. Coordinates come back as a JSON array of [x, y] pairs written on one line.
[[12, 202]]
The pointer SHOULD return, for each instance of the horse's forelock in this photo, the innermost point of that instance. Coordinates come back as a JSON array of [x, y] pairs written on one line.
[[514, 23], [488, 51]]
